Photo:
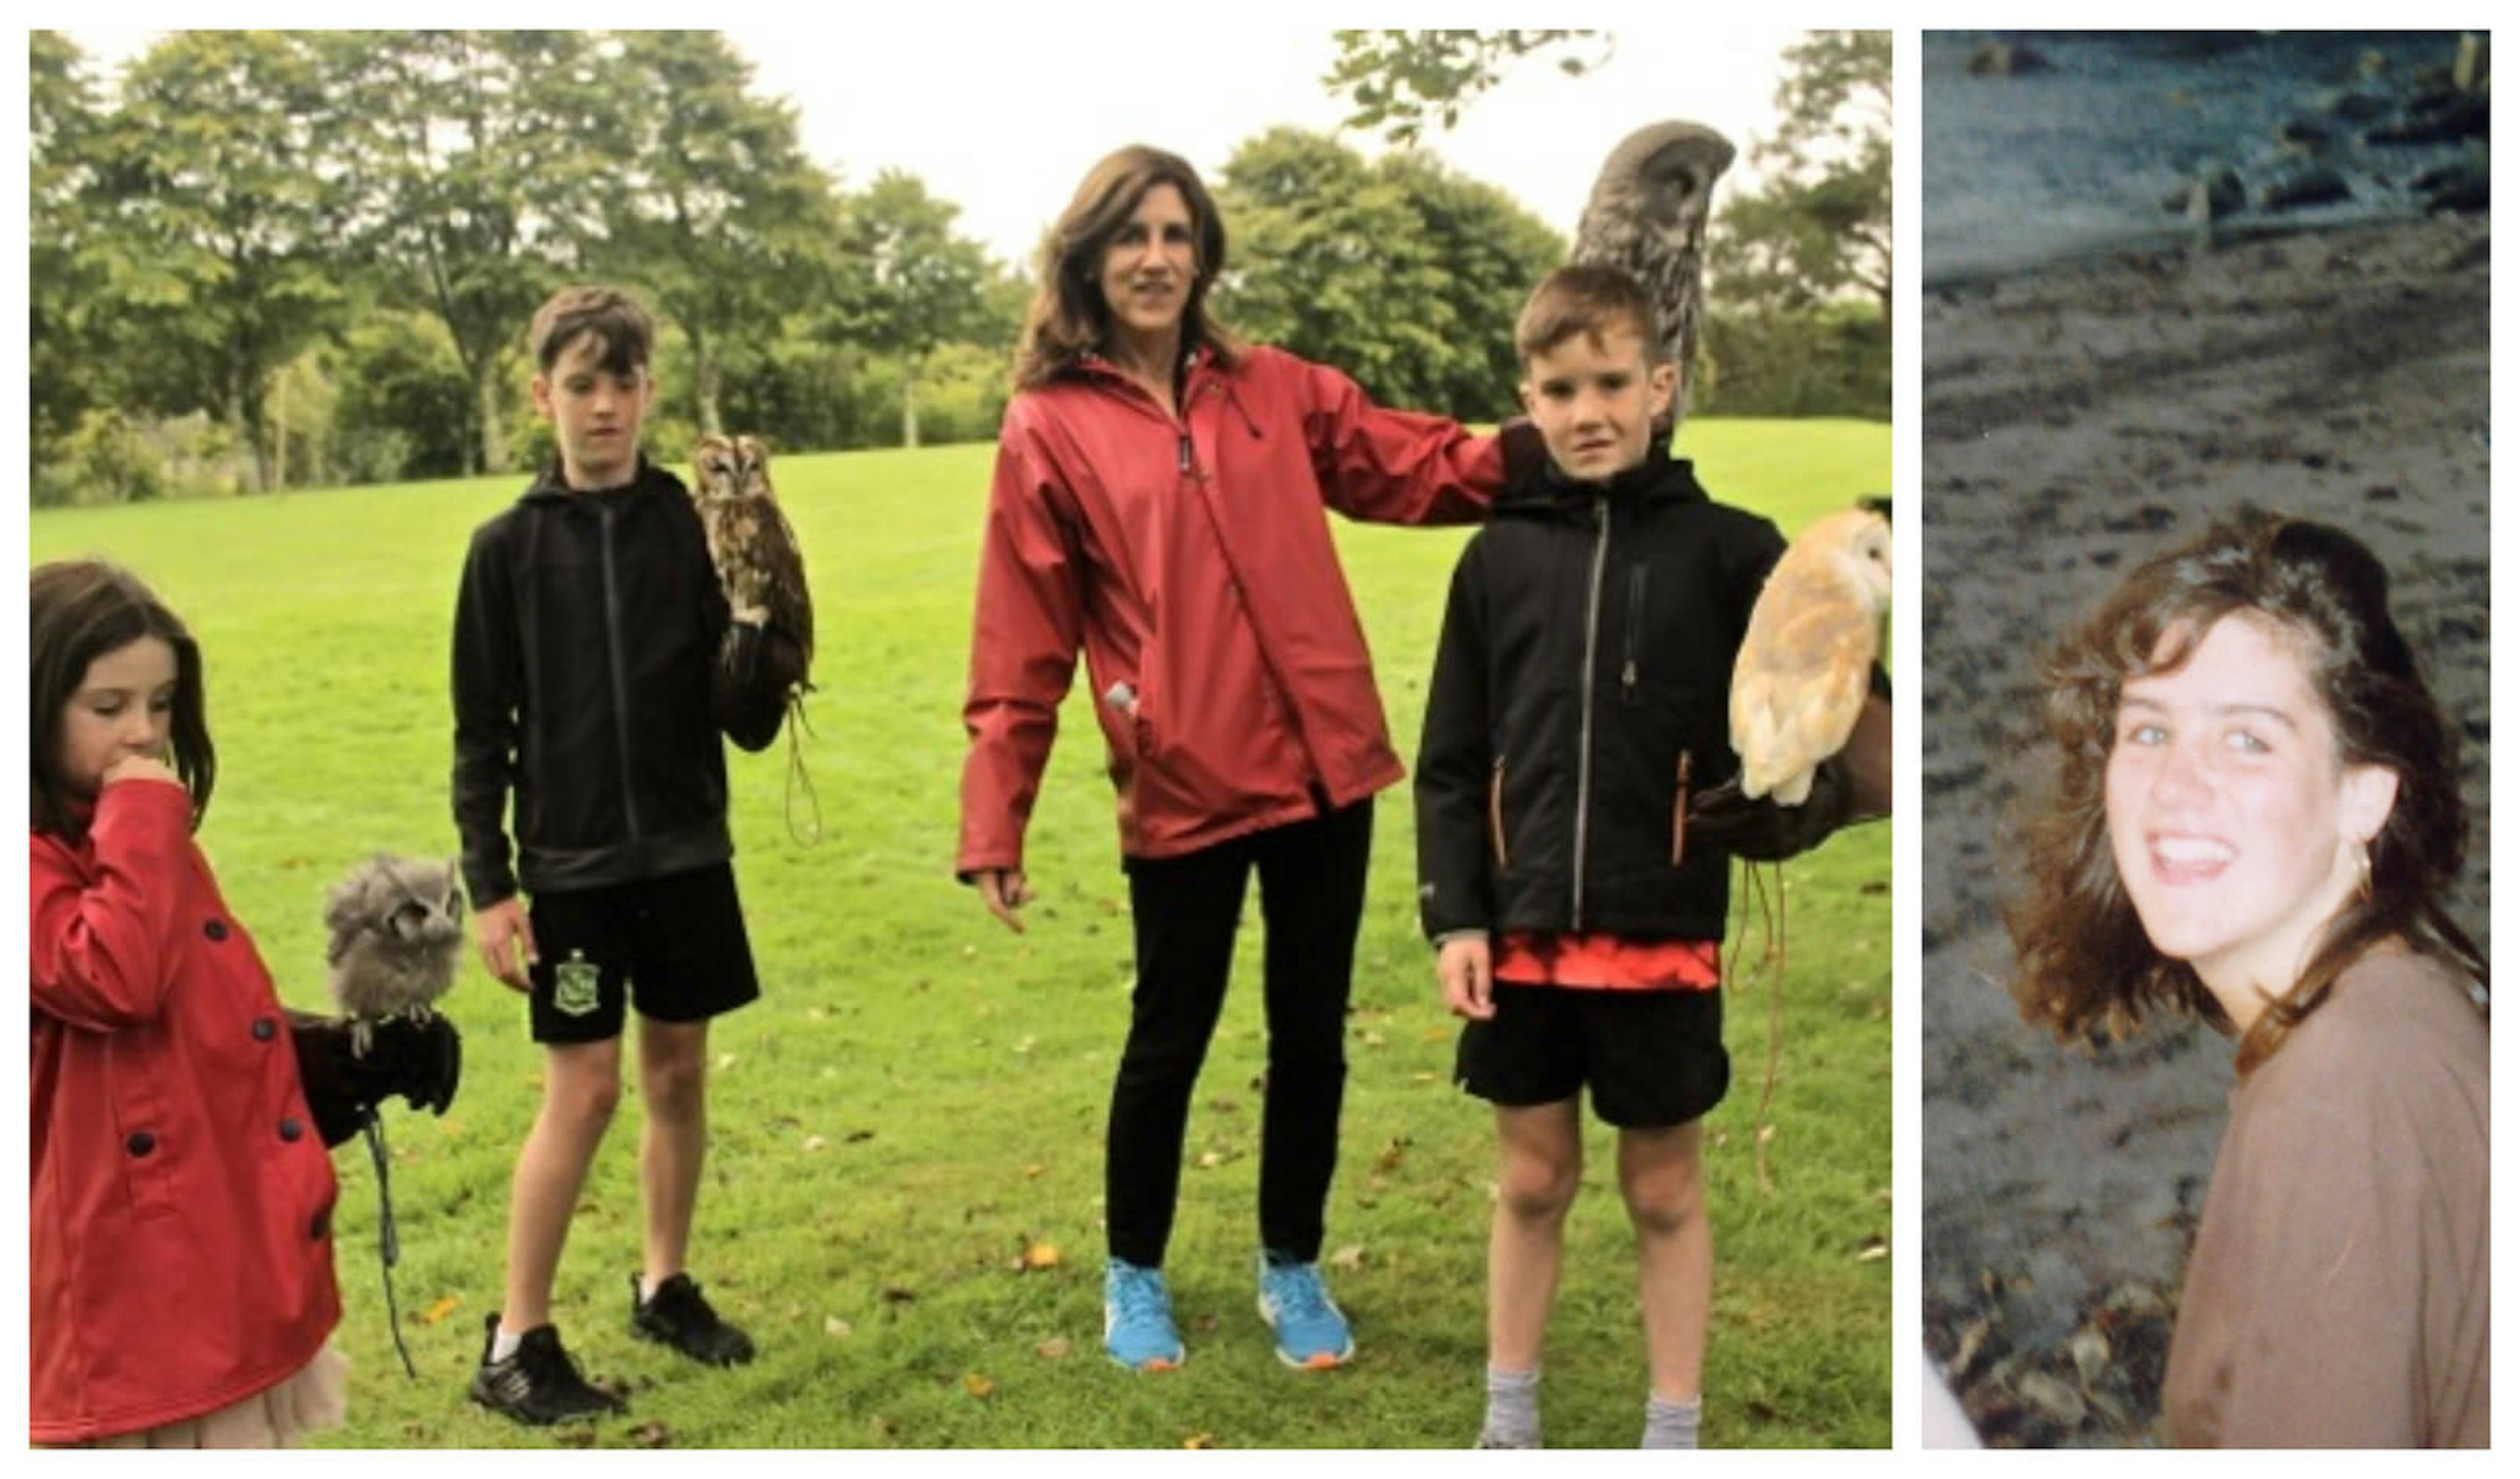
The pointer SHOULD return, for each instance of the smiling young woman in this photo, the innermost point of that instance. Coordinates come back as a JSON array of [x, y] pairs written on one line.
[[2256, 820]]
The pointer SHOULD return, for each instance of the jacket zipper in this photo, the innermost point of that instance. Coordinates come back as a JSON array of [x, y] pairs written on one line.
[[1679, 814], [620, 678], [1584, 736], [1636, 624], [1495, 812]]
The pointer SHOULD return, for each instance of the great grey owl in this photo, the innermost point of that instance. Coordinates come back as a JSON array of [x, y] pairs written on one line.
[[396, 928], [1647, 215], [759, 564]]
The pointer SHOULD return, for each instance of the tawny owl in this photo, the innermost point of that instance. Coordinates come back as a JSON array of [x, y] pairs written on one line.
[[759, 564], [396, 928], [1647, 214], [1806, 663]]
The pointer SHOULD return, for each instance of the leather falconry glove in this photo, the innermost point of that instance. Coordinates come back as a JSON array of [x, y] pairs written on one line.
[[423, 1061]]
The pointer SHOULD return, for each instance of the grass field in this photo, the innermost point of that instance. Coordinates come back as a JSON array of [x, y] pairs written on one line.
[[918, 1100]]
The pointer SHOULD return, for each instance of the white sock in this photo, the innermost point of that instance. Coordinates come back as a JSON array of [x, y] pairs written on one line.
[[1669, 1424], [503, 1344], [1514, 1410]]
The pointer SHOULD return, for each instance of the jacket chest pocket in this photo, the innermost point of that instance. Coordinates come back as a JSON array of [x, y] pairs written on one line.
[[1632, 636]]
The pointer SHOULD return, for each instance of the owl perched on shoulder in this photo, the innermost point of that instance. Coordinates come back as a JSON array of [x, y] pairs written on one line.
[[1647, 216], [396, 927], [750, 542]]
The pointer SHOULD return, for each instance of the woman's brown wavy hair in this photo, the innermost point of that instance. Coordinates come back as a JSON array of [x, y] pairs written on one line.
[[1068, 319], [2083, 963]]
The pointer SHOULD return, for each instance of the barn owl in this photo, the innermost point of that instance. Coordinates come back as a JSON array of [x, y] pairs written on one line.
[[1806, 663], [1647, 216], [396, 933], [750, 542]]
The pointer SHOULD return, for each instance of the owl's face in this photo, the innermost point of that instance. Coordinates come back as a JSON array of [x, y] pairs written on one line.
[[1867, 554], [423, 918], [425, 903], [735, 466]]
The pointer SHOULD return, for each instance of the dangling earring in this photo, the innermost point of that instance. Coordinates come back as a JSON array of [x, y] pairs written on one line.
[[2362, 870]]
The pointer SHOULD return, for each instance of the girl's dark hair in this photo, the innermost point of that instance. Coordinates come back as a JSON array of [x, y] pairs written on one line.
[[78, 611], [1068, 319], [2082, 958]]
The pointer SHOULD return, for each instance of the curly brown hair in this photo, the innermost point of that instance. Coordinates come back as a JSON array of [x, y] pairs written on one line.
[[1068, 319], [2082, 959]]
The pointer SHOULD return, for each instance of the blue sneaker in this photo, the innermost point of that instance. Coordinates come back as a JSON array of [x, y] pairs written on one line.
[[1137, 1327], [1311, 1331]]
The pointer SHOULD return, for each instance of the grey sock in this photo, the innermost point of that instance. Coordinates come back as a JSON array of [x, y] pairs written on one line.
[[1669, 1424], [1514, 1410]]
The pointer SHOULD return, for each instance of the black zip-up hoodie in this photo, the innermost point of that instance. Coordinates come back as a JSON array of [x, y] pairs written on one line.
[[586, 679], [1550, 788]]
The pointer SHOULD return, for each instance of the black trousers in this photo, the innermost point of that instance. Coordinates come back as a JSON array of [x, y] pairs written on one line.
[[1312, 898]]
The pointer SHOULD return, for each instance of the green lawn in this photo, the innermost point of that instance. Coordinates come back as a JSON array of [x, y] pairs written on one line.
[[918, 1096]]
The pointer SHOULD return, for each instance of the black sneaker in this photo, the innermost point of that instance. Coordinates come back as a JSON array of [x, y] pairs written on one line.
[[537, 1383], [680, 1318]]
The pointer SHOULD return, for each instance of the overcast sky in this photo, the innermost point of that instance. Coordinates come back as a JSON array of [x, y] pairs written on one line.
[[1006, 127]]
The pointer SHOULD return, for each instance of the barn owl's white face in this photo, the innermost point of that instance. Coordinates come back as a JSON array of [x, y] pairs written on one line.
[[2234, 825], [1148, 267], [1595, 399]]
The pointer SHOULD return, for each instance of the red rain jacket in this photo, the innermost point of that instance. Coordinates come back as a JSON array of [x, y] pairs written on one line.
[[1192, 560], [179, 1236]]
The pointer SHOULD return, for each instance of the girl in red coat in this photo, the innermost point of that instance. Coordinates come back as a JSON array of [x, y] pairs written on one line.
[[180, 1238]]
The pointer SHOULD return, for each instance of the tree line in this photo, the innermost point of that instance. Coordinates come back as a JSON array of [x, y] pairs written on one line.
[[265, 259]]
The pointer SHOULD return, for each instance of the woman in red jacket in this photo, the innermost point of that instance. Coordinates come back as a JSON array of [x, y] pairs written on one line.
[[1159, 502], [180, 1212]]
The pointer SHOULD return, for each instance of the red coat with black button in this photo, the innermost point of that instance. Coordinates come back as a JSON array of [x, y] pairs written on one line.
[[179, 1237], [1189, 557]]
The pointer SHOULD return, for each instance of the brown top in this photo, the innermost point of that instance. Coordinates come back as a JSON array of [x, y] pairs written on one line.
[[2337, 1293]]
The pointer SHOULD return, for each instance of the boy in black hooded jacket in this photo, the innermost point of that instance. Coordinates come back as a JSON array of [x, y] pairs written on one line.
[[1579, 700], [592, 679]]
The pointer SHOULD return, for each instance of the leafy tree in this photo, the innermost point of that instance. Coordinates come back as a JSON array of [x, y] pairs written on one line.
[[924, 287], [215, 160], [1402, 274], [404, 409], [716, 210], [1832, 359], [481, 160], [68, 259], [1398, 80], [1820, 227]]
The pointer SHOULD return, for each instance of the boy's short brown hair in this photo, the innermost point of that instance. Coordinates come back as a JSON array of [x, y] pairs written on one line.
[[1588, 300], [624, 334]]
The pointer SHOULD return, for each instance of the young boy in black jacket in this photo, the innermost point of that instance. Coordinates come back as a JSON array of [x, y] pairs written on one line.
[[1579, 700], [588, 683]]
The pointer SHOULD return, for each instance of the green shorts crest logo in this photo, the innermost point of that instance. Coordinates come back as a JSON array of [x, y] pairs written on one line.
[[573, 985]]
